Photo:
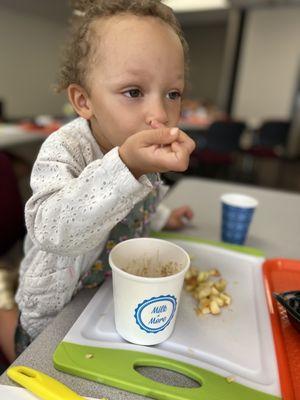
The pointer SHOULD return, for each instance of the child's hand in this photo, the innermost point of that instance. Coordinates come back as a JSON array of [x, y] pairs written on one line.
[[178, 218], [157, 150]]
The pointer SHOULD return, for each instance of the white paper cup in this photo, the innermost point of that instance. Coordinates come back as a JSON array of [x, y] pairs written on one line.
[[146, 307]]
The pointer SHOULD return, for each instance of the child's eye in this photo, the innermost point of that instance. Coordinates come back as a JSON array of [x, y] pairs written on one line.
[[174, 95], [133, 93]]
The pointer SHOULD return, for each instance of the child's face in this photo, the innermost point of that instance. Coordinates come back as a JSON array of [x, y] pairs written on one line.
[[137, 77]]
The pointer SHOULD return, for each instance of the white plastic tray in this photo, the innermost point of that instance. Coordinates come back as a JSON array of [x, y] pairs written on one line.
[[237, 343]]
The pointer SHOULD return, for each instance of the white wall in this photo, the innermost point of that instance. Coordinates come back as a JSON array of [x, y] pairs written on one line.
[[29, 59], [269, 64]]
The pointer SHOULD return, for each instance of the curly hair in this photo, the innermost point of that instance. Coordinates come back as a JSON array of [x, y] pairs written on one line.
[[78, 50]]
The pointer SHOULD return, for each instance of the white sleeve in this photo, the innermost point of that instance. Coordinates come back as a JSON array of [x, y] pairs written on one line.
[[73, 208], [160, 217], [162, 214]]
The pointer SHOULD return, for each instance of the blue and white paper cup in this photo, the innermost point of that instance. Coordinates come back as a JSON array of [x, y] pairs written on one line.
[[148, 276], [237, 213]]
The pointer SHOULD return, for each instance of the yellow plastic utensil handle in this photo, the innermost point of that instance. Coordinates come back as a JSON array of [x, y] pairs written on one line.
[[41, 384]]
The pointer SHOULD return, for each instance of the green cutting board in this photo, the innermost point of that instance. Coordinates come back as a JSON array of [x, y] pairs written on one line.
[[116, 368]]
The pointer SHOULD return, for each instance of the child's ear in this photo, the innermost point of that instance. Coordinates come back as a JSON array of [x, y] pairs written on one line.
[[80, 101]]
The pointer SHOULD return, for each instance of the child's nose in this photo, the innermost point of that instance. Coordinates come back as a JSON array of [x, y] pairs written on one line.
[[157, 112], [156, 124]]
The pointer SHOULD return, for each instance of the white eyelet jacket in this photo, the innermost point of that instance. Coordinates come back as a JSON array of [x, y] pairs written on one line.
[[79, 195]]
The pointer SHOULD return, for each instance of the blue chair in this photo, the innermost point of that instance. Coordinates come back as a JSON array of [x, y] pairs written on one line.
[[221, 146], [269, 145], [270, 139]]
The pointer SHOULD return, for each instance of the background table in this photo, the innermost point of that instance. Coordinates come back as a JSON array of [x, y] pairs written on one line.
[[14, 135], [275, 230]]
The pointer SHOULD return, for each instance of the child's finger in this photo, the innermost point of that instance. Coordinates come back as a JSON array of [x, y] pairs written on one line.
[[184, 210], [187, 212], [186, 141], [184, 214], [181, 156], [159, 136], [170, 158], [180, 150], [170, 161], [182, 138]]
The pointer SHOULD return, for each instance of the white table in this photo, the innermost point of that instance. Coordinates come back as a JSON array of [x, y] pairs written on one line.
[[275, 227], [12, 135]]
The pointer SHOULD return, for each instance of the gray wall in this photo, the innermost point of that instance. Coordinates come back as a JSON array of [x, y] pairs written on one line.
[[269, 64], [207, 44], [29, 48]]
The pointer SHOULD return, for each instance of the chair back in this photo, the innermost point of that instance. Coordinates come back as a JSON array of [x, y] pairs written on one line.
[[224, 137], [12, 226], [273, 133], [198, 136]]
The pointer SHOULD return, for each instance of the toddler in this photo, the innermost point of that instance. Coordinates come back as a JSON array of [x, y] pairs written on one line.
[[95, 181]]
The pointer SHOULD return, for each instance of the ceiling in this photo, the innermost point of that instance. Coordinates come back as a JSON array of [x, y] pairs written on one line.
[[60, 10], [262, 3]]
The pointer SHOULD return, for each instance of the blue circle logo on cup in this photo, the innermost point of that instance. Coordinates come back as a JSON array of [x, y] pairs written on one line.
[[155, 314]]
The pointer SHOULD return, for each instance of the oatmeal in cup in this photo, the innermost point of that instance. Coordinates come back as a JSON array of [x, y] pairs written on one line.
[[148, 275]]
